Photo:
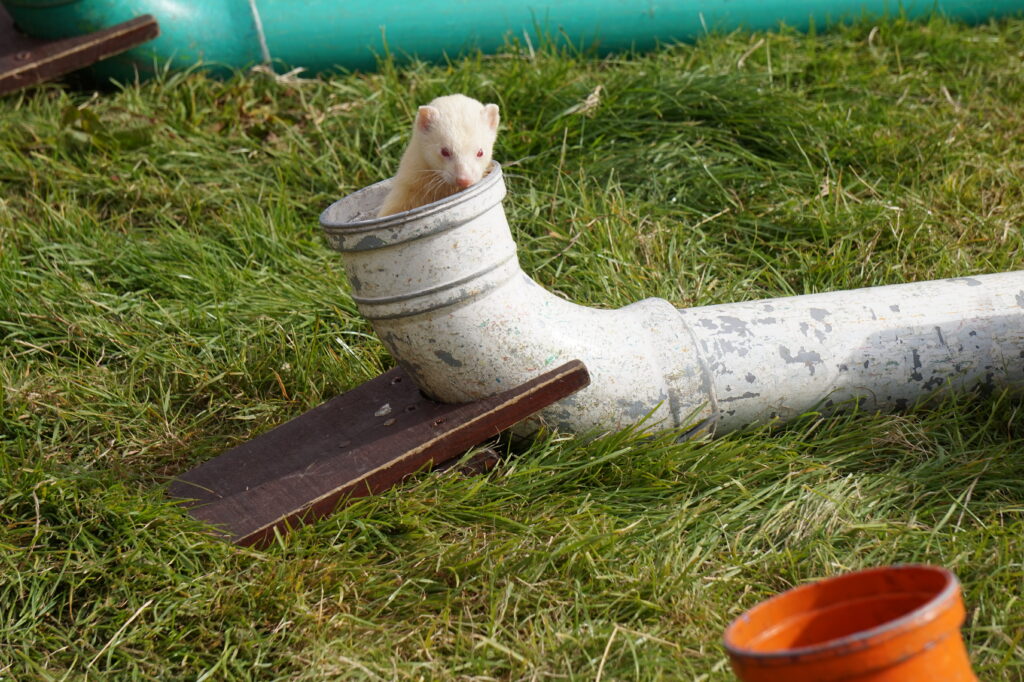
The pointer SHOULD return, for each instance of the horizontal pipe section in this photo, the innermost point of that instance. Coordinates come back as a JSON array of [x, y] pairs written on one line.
[[324, 34], [886, 346], [719, 367]]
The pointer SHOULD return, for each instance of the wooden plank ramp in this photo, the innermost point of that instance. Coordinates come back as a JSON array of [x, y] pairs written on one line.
[[26, 61], [359, 443]]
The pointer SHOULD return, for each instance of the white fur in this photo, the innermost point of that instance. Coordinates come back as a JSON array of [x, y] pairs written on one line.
[[456, 123]]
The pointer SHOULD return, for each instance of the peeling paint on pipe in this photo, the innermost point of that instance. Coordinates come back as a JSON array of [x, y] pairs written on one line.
[[443, 288], [887, 346]]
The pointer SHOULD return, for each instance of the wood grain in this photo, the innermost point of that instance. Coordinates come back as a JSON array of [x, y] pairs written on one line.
[[359, 443]]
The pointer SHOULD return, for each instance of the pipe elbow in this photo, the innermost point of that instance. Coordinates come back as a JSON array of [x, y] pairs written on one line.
[[443, 289]]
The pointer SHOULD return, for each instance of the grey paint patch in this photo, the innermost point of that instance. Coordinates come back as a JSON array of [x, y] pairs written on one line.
[[1020, 299], [751, 378], [634, 409], [734, 398], [916, 375], [894, 308], [819, 314], [969, 281], [447, 358], [766, 320], [370, 241], [808, 358], [732, 325]]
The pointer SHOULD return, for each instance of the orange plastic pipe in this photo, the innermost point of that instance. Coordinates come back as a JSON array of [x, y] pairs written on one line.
[[890, 624]]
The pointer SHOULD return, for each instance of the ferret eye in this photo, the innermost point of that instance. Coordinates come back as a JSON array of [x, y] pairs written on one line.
[[479, 153], [445, 152]]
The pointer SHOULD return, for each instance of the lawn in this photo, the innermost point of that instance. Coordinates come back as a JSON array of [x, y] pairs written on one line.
[[166, 293]]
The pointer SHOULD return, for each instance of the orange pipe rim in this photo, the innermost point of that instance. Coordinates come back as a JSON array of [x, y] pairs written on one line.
[[908, 609]]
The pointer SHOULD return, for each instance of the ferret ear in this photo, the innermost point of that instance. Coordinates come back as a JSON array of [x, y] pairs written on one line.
[[491, 115], [426, 116]]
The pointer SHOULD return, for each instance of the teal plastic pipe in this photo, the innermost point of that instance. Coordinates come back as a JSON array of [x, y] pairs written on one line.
[[322, 34]]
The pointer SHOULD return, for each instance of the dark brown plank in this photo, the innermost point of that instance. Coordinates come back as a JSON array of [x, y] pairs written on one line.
[[26, 61], [356, 444]]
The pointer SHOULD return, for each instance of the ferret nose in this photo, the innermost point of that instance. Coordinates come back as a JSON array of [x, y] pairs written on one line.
[[463, 181]]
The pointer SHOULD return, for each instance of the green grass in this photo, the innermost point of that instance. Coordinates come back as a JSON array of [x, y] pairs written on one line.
[[165, 293]]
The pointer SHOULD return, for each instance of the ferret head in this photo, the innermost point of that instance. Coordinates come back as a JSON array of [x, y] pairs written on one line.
[[456, 136]]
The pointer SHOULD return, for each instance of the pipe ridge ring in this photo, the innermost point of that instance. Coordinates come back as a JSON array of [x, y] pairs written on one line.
[[486, 285]]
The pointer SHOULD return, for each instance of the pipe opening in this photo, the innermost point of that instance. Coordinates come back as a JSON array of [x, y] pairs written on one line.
[[856, 623], [348, 221]]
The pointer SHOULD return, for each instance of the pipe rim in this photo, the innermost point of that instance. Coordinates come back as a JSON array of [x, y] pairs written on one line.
[[862, 639], [421, 214]]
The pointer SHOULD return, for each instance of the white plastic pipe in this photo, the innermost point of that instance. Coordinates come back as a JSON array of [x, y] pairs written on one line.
[[444, 291]]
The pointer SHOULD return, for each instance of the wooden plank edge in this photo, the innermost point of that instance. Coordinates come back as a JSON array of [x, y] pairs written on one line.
[[69, 54], [502, 411]]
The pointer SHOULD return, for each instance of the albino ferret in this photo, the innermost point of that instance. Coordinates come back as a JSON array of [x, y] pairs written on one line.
[[452, 141]]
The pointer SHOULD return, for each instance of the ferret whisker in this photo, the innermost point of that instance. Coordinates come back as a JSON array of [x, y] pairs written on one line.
[[437, 182]]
